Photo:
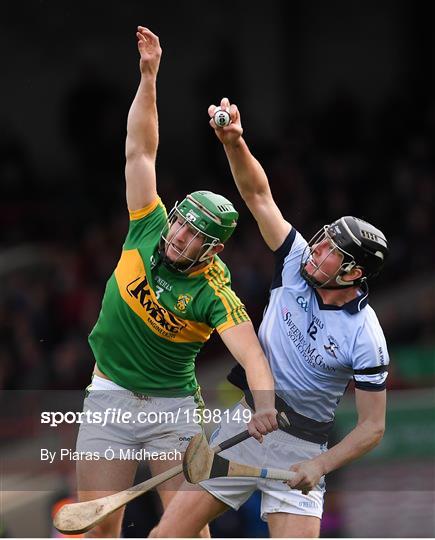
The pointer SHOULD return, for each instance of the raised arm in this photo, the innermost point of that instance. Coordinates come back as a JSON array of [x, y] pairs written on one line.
[[142, 126], [250, 178]]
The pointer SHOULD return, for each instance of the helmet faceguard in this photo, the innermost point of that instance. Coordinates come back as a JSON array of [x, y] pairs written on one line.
[[210, 216], [361, 245]]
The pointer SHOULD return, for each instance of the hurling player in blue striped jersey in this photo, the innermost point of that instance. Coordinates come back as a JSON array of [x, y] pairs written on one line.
[[318, 333]]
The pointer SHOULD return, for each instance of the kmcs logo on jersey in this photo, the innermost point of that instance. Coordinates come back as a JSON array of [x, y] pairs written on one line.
[[332, 347], [157, 316], [182, 302]]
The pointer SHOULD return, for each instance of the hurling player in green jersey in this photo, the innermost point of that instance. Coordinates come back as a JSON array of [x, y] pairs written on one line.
[[168, 293]]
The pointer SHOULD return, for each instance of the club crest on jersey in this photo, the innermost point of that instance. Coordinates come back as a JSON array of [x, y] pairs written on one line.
[[332, 347], [182, 302]]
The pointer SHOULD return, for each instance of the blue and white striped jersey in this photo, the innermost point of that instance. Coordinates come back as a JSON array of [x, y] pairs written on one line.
[[314, 349]]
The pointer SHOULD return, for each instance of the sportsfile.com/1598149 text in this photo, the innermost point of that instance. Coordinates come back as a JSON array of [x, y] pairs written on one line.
[[118, 416]]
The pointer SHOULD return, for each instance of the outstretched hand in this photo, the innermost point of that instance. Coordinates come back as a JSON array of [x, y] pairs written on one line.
[[149, 50], [229, 134]]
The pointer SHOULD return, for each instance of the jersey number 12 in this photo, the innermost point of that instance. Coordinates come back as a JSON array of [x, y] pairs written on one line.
[[312, 330]]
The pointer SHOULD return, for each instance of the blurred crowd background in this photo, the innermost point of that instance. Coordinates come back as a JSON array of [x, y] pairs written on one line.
[[337, 102]]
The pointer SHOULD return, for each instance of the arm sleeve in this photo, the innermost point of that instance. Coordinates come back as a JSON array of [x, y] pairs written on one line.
[[227, 310], [370, 359], [288, 260], [146, 224]]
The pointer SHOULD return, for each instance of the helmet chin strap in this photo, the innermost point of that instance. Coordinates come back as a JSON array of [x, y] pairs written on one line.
[[338, 287], [345, 269], [207, 255], [341, 283]]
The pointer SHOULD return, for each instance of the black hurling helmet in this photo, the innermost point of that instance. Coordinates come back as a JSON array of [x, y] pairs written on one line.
[[361, 244]]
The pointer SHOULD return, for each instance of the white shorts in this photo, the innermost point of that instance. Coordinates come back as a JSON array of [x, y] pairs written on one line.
[[279, 450], [150, 424]]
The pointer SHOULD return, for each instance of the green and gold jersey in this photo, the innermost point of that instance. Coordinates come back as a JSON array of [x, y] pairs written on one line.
[[154, 320]]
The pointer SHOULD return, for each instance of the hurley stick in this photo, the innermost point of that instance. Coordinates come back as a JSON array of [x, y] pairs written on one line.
[[78, 518], [201, 463]]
